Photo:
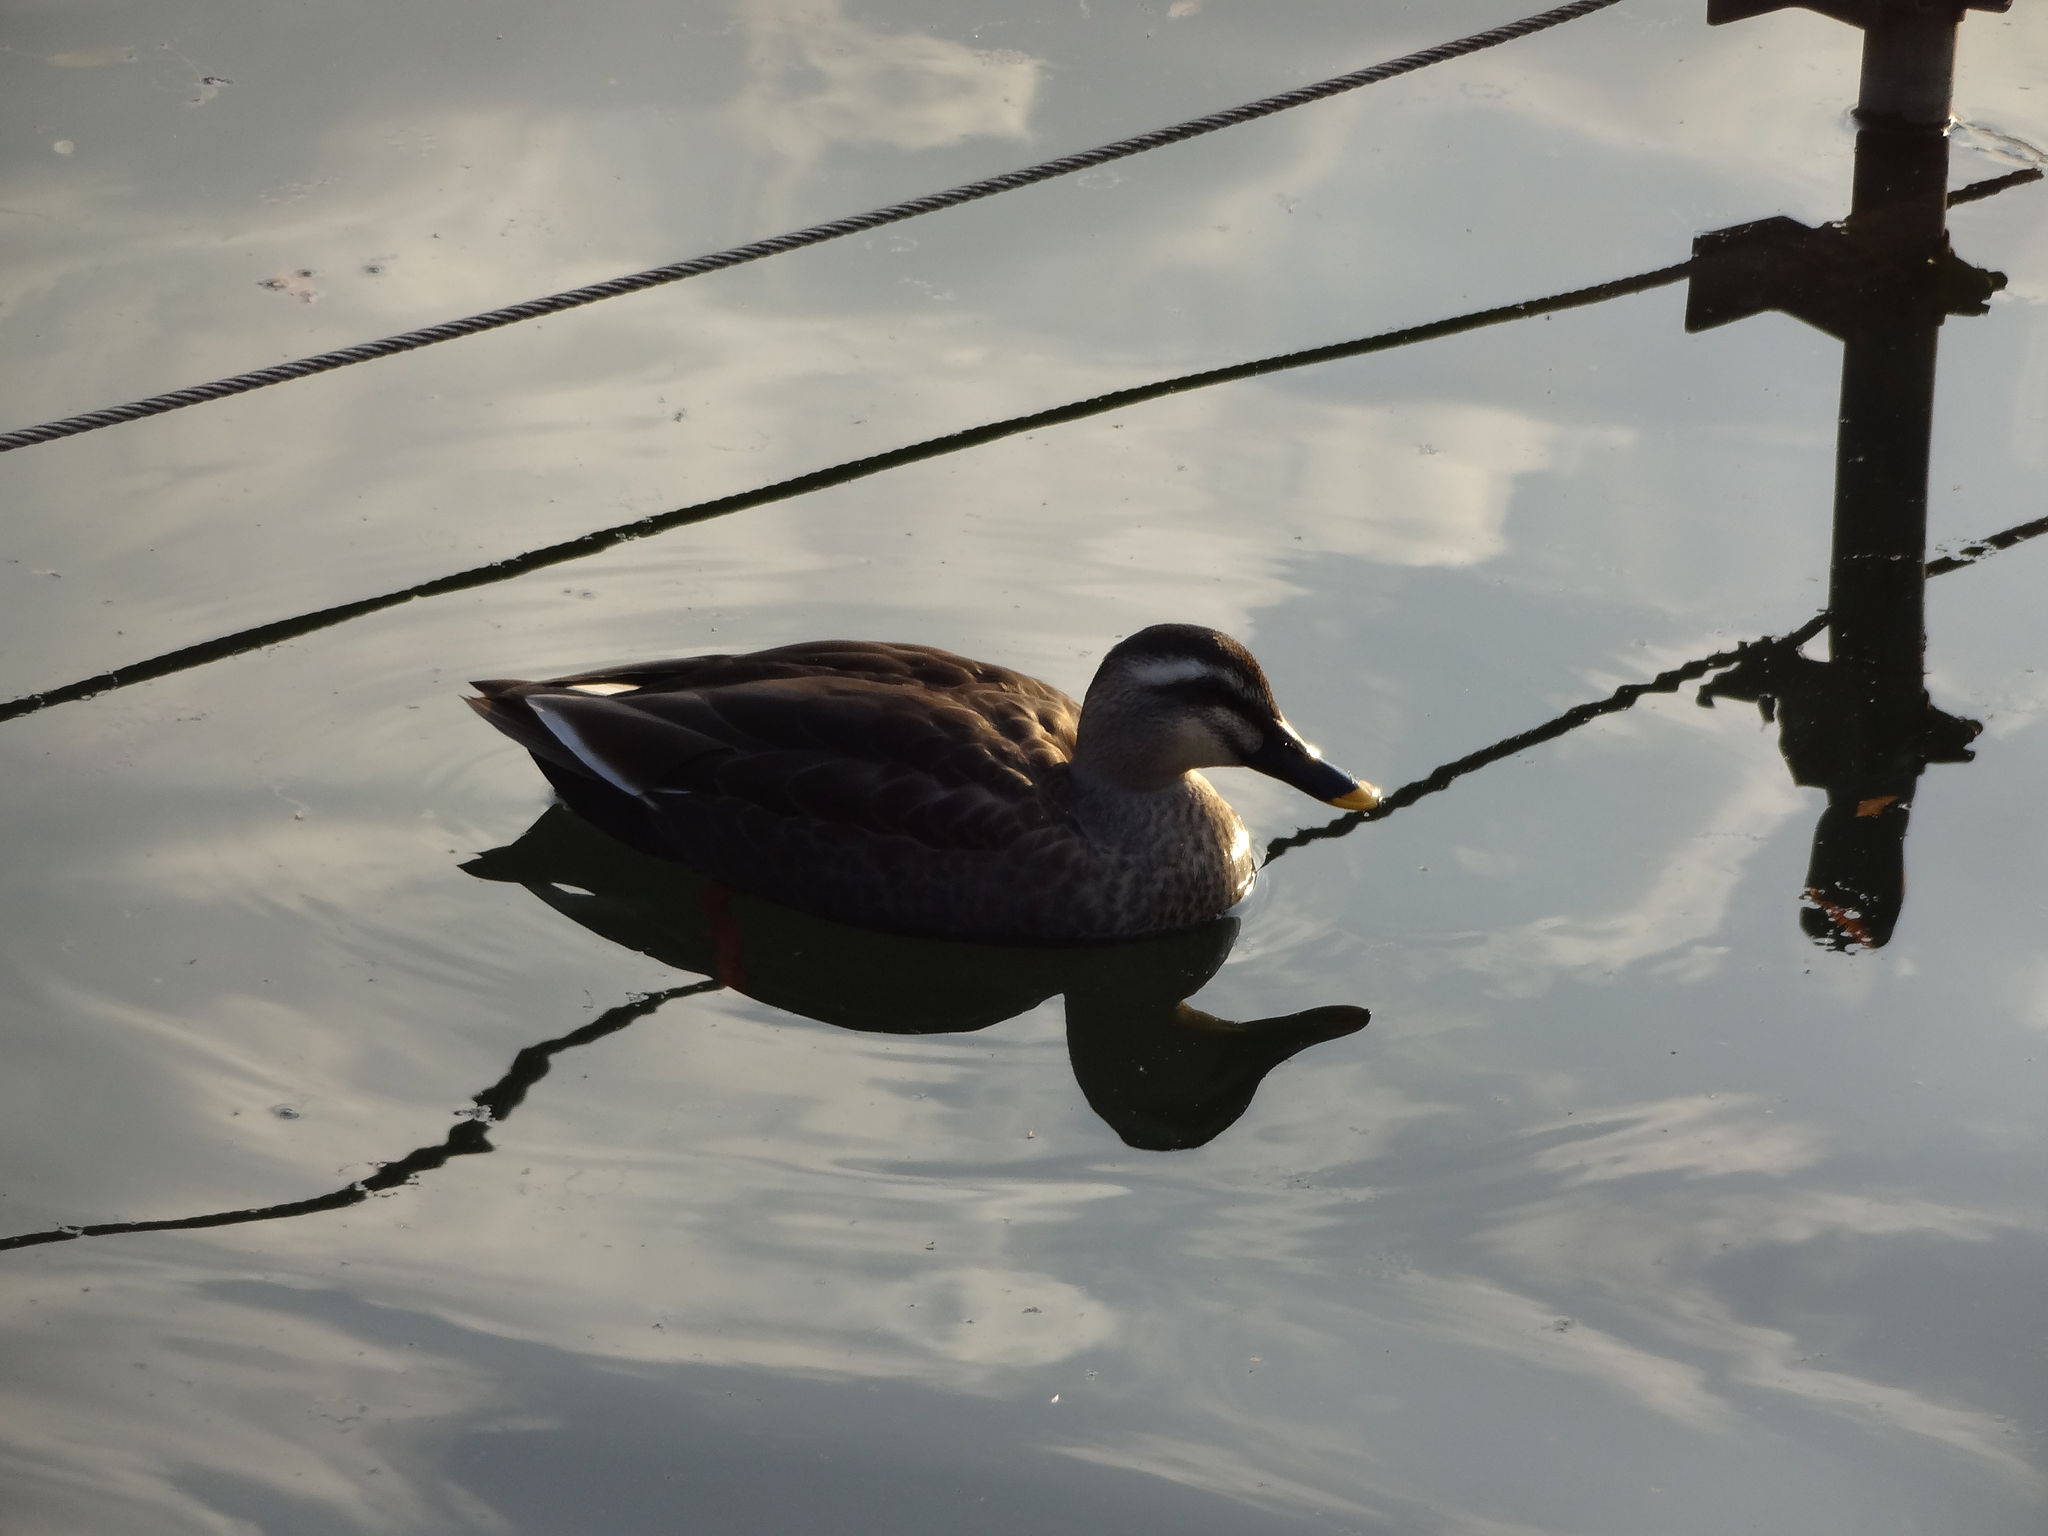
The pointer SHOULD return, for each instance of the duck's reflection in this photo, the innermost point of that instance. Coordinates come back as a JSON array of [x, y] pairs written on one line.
[[1162, 1075]]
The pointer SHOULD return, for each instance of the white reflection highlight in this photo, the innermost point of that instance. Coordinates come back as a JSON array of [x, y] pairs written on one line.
[[981, 1316], [1219, 1469], [1700, 1136], [819, 80], [1684, 903], [1475, 1313], [1642, 1255]]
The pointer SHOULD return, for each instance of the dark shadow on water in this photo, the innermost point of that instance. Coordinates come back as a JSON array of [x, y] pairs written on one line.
[[1162, 1074]]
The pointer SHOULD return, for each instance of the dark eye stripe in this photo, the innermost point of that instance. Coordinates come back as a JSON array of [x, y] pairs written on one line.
[[1214, 693]]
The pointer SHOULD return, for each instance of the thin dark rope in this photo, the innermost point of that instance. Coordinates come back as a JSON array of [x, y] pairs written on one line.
[[1991, 187], [277, 631], [1624, 697], [816, 234], [243, 641], [1984, 548], [494, 1105]]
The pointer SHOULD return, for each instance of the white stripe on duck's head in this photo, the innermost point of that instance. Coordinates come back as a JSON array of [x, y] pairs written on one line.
[[1176, 697]]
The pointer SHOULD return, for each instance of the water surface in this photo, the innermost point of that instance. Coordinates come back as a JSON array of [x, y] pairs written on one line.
[[1633, 1209]]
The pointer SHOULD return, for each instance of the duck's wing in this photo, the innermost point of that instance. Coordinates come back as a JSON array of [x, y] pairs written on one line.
[[963, 763], [923, 667]]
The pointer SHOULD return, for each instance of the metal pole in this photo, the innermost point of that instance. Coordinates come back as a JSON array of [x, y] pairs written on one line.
[[1876, 581], [1877, 575]]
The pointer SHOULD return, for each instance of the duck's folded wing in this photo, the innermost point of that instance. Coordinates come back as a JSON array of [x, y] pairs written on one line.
[[917, 666], [630, 749], [845, 753]]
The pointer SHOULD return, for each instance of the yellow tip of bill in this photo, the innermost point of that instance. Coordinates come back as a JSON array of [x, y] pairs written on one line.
[[1363, 798]]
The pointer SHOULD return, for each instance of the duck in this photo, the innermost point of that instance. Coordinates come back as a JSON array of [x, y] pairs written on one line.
[[906, 788]]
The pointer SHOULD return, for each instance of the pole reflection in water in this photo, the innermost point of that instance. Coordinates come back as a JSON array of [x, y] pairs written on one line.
[[1163, 1075], [1860, 725]]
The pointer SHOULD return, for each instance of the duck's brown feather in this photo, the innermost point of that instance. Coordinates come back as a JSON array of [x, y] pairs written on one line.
[[902, 739], [897, 785]]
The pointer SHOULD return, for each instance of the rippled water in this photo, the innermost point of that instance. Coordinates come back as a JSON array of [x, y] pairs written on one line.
[[1633, 1209]]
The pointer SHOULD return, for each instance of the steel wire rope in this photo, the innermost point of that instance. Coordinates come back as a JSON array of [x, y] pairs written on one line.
[[275, 632], [816, 234], [1444, 775], [1671, 680]]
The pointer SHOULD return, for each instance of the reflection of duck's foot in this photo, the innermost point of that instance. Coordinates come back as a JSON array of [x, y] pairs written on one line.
[[1313, 1024], [1177, 1077]]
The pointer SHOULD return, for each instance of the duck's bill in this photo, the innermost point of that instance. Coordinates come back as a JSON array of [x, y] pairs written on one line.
[[1286, 757]]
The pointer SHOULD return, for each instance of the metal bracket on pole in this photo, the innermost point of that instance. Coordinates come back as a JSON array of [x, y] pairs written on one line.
[[1857, 13], [1909, 51], [1836, 278]]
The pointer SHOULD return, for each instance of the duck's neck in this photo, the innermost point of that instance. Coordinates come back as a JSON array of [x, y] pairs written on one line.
[[1118, 815], [1109, 774], [1119, 749], [1096, 782]]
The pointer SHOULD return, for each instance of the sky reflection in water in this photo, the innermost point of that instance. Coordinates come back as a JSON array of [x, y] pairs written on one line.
[[1632, 1210]]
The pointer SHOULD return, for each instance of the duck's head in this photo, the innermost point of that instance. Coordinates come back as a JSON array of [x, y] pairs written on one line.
[[1176, 697]]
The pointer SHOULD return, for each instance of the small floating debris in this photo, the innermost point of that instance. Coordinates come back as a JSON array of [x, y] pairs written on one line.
[[297, 284]]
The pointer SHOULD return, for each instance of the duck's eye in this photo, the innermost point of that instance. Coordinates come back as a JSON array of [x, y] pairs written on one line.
[[1232, 729]]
